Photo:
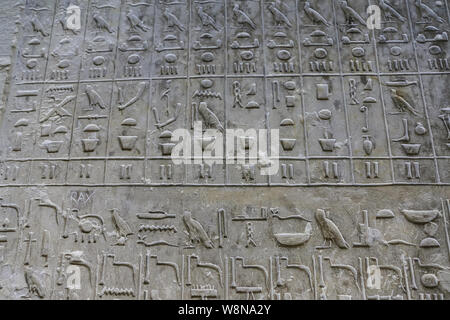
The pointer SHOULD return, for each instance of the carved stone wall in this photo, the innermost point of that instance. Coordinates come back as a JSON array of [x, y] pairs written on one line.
[[93, 207]]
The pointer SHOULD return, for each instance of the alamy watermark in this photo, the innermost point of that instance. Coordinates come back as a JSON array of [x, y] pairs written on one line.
[[374, 19], [373, 277], [73, 18], [73, 277], [241, 147]]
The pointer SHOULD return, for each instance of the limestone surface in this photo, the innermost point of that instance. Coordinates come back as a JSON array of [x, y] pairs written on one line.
[[347, 101]]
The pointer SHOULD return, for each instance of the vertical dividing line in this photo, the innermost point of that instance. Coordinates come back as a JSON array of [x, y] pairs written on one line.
[[50, 42], [46, 62], [139, 278], [114, 78], [42, 83], [78, 92], [448, 12], [383, 105], [446, 216], [427, 118], [408, 291], [97, 271], [344, 99], [305, 131], [147, 104], [363, 286], [225, 71], [226, 278], [113, 83], [188, 84], [51, 38], [152, 56], [12, 73], [315, 276], [271, 276], [266, 109], [147, 108], [182, 276], [150, 96]]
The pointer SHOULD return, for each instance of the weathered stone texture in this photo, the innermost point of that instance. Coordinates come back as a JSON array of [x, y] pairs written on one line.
[[93, 207]]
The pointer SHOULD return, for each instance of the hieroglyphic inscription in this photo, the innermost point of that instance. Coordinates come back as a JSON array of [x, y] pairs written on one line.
[[88, 188]]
